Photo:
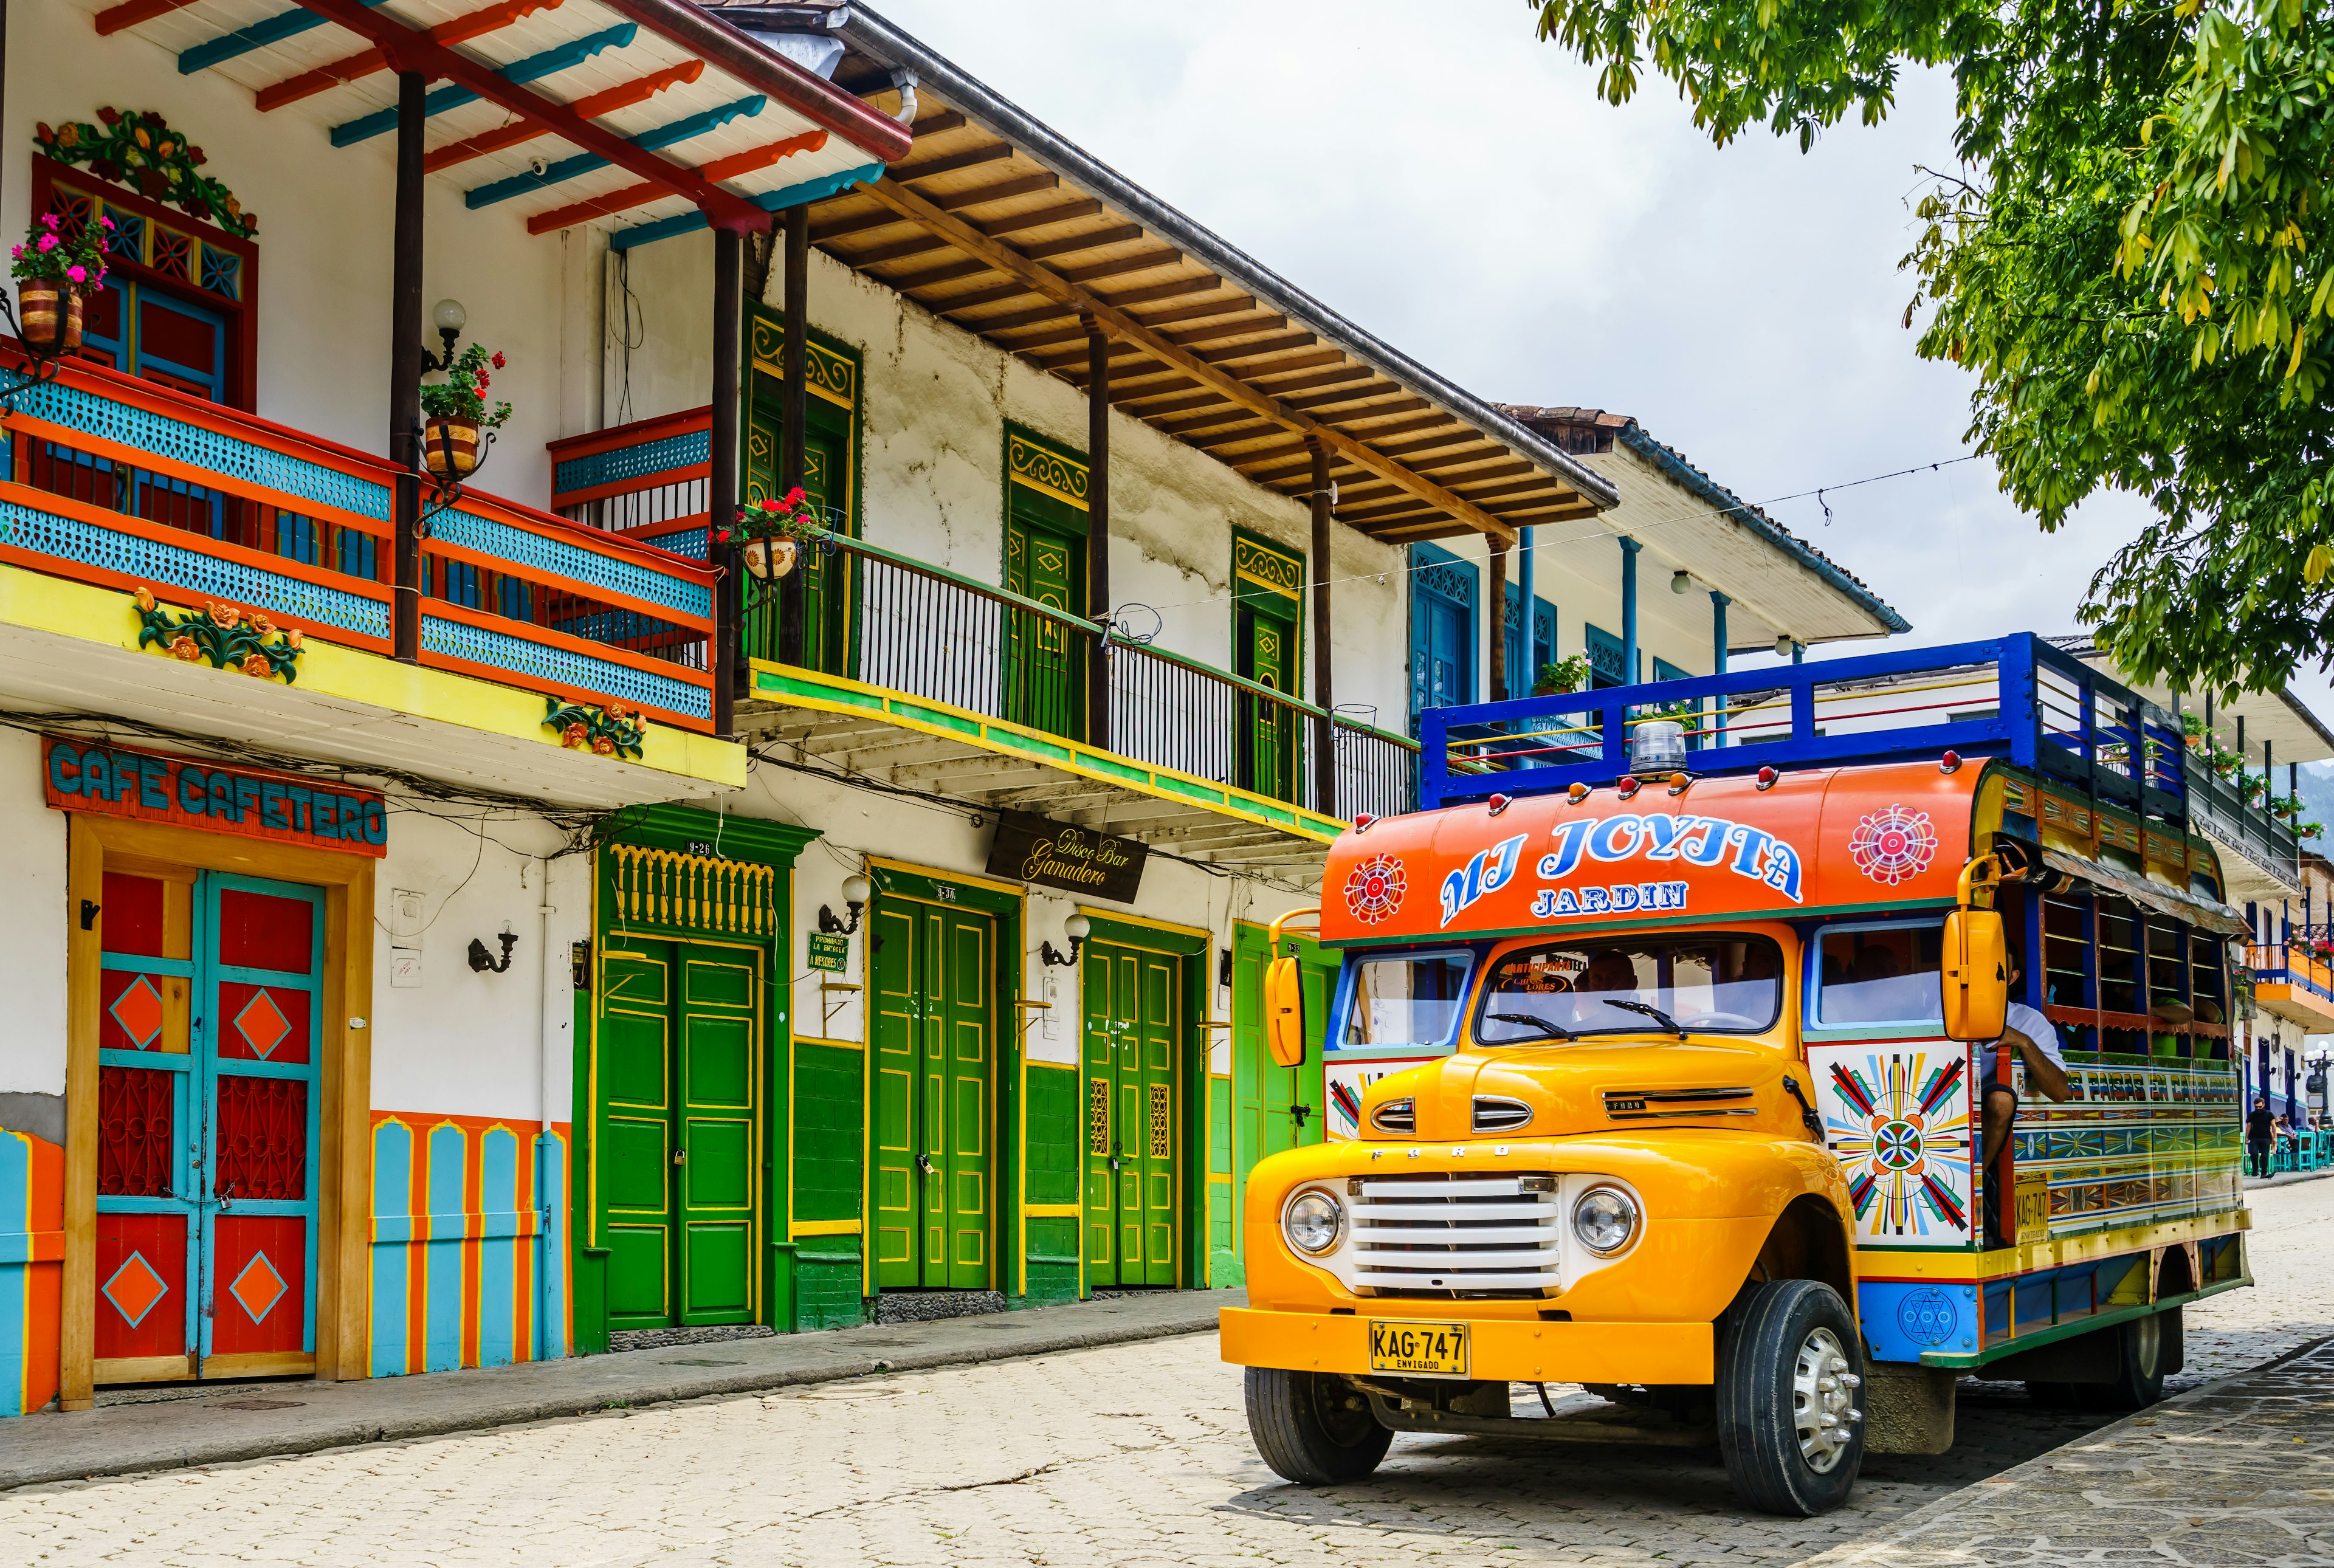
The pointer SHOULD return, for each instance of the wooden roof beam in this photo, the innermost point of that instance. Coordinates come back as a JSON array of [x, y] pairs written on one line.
[[948, 163], [1067, 290], [1055, 311]]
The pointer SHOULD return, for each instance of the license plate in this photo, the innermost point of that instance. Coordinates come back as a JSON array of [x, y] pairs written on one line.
[[1418, 1350]]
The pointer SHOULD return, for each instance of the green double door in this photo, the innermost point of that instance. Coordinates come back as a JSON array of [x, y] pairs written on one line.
[[1134, 1006], [679, 1109], [934, 1100]]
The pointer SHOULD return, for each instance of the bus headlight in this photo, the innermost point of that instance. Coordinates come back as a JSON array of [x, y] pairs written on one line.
[[1605, 1219], [1313, 1221]]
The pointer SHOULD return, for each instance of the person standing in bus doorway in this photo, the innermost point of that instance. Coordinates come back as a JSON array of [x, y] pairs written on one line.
[[2037, 1044], [2261, 1139]]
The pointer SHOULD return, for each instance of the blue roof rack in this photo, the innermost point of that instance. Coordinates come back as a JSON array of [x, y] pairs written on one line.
[[2017, 698]]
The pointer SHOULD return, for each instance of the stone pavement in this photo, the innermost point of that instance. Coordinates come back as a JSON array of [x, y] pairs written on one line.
[[246, 1420], [2240, 1472], [1120, 1456]]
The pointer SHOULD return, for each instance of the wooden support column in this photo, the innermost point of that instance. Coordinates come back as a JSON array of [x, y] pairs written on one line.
[[1097, 529], [1324, 733], [405, 372], [721, 489], [793, 400], [1497, 618]]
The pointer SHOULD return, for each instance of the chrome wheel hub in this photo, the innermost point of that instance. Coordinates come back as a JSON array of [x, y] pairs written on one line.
[[1823, 1401]]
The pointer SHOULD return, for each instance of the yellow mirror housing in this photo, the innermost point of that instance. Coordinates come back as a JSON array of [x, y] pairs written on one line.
[[1284, 1012], [1975, 975]]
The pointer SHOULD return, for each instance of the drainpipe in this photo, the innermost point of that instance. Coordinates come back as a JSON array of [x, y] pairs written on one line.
[[1528, 644], [547, 1202], [905, 81], [1629, 548], [1718, 603]]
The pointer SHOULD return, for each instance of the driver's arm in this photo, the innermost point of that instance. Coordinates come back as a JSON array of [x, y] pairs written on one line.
[[2040, 1071]]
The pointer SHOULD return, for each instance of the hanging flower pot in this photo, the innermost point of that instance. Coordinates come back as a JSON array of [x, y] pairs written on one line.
[[50, 315], [769, 559], [451, 447]]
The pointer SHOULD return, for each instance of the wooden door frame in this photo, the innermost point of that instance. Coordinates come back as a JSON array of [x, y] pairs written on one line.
[[345, 1160]]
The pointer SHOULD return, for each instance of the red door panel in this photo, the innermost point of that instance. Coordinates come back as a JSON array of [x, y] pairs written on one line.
[[141, 1286], [259, 1294]]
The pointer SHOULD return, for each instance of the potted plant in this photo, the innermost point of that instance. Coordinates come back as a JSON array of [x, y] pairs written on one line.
[[54, 275], [457, 411], [1562, 677], [772, 533]]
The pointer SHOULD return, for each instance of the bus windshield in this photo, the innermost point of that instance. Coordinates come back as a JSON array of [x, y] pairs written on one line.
[[1712, 984]]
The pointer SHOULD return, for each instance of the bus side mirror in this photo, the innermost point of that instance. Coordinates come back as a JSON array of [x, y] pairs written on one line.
[[1284, 1012], [1975, 975]]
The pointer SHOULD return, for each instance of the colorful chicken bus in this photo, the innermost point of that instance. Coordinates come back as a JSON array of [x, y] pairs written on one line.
[[1705, 988]]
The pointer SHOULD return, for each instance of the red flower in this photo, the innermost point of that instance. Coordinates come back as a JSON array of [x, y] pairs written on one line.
[[498, 361], [484, 380], [722, 537], [767, 504], [194, 154], [110, 116], [42, 134], [795, 497]]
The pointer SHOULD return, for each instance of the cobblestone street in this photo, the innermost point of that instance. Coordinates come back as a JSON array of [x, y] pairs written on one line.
[[1134, 1454]]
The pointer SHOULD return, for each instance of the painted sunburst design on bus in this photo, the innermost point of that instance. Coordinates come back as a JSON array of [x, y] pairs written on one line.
[[1904, 1141], [1893, 845], [1375, 888]]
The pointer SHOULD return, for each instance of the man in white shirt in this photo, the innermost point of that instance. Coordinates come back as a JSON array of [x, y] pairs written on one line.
[[2037, 1044]]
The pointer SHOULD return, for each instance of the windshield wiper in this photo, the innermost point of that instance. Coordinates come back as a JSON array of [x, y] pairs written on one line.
[[1556, 1031], [1655, 1013]]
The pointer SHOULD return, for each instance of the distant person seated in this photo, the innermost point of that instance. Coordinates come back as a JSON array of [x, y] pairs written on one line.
[[2035, 1042]]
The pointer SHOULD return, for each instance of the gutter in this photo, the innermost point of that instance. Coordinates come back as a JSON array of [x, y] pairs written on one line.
[[766, 70], [1632, 435], [879, 39]]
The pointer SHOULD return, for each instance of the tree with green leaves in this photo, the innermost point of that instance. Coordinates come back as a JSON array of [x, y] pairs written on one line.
[[2135, 258]]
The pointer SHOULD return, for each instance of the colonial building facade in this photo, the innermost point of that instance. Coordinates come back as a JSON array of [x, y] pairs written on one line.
[[462, 923]]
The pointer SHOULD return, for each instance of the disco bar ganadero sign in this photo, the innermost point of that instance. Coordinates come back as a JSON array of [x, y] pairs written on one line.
[[82, 775], [1076, 860]]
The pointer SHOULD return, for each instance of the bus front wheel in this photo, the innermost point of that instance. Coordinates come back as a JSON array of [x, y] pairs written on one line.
[[1790, 1367], [1313, 1428]]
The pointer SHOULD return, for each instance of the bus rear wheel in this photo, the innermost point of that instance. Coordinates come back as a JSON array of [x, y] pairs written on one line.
[[1314, 1429], [1789, 1365]]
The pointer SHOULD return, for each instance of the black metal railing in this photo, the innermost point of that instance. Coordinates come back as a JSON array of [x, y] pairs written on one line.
[[888, 621]]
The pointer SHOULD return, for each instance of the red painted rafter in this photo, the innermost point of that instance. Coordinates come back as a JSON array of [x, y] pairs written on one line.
[[130, 13], [623, 96], [408, 49], [632, 195], [459, 30]]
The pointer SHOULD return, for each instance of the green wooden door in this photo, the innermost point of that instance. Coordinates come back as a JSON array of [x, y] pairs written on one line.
[[934, 1105], [677, 1106], [1045, 661], [828, 445], [1133, 1007], [1267, 736], [1274, 1108]]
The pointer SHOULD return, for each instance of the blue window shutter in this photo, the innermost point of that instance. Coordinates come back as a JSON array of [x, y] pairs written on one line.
[[1417, 641]]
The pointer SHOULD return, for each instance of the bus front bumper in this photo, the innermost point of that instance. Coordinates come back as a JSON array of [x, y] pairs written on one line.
[[1499, 1350]]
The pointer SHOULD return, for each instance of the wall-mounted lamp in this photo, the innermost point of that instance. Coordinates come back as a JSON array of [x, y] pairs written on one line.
[[1783, 645], [1682, 582], [484, 962], [854, 894], [1075, 929], [449, 318]]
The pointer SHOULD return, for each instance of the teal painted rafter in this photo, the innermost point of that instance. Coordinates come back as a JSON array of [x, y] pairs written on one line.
[[818, 189], [567, 57], [585, 162], [244, 40]]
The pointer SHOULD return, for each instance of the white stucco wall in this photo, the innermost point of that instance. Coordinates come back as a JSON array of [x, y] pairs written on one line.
[[34, 918]]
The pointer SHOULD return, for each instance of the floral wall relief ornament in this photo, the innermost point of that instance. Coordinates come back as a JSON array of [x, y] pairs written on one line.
[[609, 730], [223, 635], [141, 150]]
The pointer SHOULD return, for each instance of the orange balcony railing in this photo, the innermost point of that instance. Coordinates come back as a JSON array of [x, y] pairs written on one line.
[[116, 481]]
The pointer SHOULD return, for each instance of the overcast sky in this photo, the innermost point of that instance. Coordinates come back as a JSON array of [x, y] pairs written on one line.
[[1456, 186]]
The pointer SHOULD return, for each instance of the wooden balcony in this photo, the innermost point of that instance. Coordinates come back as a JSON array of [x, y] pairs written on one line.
[[124, 483], [2292, 982]]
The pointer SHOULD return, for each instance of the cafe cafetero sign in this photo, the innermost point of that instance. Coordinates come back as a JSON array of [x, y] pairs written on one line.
[[147, 786], [1032, 850]]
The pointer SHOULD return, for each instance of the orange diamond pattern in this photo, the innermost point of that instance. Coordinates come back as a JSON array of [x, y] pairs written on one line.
[[139, 1011], [259, 1287], [134, 1288], [263, 1023]]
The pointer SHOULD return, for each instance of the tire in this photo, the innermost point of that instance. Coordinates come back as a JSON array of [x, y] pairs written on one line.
[[1788, 1354], [2147, 1347], [1313, 1428]]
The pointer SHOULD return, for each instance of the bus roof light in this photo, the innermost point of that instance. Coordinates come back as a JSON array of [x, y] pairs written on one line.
[[1678, 783], [1767, 777], [1576, 792], [1498, 803], [1630, 785], [1949, 763], [1362, 821]]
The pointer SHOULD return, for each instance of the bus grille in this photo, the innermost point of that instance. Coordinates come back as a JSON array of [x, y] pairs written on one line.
[[1456, 1235]]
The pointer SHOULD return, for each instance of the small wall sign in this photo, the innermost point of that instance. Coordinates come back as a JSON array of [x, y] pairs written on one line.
[[1076, 860], [78, 775], [829, 952]]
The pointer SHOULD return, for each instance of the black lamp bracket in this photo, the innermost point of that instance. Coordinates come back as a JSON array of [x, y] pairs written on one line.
[[484, 962]]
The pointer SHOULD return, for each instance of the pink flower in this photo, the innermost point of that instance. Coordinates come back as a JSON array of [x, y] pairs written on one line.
[[48, 242], [105, 222], [79, 275], [18, 252], [49, 219]]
